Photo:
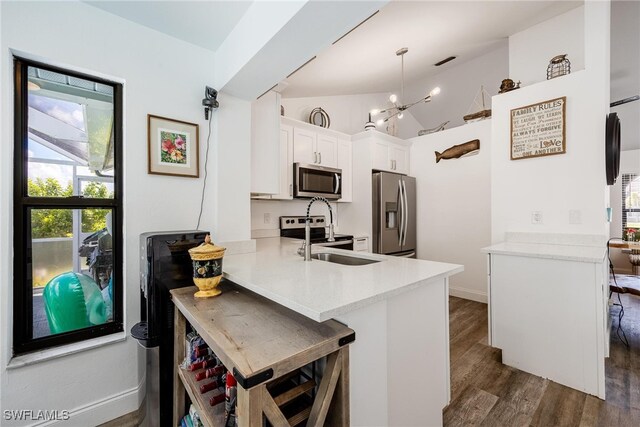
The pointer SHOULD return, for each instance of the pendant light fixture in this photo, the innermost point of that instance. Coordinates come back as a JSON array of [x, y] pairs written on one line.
[[398, 104]]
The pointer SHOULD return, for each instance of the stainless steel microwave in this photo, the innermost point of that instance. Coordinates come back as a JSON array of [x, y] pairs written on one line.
[[313, 180]]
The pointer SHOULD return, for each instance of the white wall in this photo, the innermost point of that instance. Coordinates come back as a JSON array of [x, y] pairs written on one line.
[[531, 50], [231, 170], [625, 50], [556, 184], [629, 163], [459, 83], [103, 383], [349, 113], [454, 205]]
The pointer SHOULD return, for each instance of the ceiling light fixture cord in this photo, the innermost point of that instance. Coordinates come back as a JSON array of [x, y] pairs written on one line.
[[204, 184], [402, 79]]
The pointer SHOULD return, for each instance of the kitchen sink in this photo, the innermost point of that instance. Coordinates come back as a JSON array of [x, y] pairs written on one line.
[[342, 259]]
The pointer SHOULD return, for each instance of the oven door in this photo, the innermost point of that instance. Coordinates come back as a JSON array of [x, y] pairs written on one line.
[[312, 180], [339, 244]]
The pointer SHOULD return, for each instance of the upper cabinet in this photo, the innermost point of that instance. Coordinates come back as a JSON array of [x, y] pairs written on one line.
[[304, 146], [279, 142], [399, 158], [388, 153], [344, 163], [327, 149], [286, 160], [313, 147]]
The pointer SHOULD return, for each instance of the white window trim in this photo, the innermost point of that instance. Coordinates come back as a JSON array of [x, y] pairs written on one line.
[[64, 350]]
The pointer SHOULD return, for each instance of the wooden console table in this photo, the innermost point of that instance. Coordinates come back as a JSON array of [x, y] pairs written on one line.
[[262, 342]]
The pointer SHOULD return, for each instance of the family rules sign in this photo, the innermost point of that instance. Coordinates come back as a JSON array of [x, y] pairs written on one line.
[[538, 129]]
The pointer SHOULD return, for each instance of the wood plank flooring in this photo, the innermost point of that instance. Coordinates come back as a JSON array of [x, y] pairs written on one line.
[[484, 392]]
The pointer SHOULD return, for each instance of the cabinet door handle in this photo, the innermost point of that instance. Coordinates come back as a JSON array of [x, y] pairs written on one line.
[[319, 157], [291, 189], [315, 157]]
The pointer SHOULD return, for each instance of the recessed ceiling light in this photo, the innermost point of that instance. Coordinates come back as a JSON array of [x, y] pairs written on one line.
[[444, 61]]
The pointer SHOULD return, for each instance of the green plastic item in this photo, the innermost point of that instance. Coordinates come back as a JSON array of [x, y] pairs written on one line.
[[73, 301]]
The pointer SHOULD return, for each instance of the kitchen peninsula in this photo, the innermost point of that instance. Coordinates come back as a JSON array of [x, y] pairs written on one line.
[[398, 307]]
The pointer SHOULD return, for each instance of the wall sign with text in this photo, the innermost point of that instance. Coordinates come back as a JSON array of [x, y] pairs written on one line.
[[538, 129]]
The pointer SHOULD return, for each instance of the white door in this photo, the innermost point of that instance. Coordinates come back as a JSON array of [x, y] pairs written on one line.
[[327, 149], [304, 146]]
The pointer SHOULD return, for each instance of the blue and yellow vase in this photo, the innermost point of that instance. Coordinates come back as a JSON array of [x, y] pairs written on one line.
[[207, 268]]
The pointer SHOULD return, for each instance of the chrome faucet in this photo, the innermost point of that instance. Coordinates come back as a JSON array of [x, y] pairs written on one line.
[[305, 250]]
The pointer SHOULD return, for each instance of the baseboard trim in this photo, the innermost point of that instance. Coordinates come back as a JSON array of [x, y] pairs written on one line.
[[470, 294], [132, 419], [103, 411]]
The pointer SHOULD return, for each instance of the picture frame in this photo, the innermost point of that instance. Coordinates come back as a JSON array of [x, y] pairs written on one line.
[[173, 147], [539, 129]]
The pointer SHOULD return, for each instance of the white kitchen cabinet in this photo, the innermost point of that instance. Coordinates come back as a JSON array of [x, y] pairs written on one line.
[[380, 155], [265, 145], [314, 147], [304, 146], [286, 162], [345, 163], [548, 311], [297, 142], [399, 158], [389, 156], [327, 149]]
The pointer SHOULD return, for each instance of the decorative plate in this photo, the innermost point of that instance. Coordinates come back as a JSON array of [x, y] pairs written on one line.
[[612, 148], [319, 117]]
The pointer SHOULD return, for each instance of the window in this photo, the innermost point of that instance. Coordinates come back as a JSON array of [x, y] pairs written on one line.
[[67, 207], [630, 202]]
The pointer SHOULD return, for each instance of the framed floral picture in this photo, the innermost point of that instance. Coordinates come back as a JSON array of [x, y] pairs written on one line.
[[173, 147]]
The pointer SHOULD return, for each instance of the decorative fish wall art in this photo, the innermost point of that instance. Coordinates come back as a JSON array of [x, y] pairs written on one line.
[[459, 150]]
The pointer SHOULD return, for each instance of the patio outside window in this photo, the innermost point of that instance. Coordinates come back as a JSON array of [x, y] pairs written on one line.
[[68, 256]]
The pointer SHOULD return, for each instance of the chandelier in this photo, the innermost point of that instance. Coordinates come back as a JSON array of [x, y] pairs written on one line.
[[398, 105]]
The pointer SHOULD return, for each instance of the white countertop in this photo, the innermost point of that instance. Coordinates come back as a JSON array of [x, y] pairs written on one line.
[[322, 290], [542, 250]]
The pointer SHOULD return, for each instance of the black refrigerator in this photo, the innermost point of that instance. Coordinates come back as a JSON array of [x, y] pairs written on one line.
[[164, 265]]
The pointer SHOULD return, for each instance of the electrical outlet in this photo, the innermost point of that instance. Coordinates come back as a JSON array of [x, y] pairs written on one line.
[[267, 218], [575, 216], [536, 217]]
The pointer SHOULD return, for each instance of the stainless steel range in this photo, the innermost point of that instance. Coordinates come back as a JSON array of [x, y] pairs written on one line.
[[293, 227]]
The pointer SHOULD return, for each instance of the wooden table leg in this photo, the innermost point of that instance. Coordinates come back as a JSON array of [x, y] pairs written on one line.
[[339, 411], [249, 409], [180, 329]]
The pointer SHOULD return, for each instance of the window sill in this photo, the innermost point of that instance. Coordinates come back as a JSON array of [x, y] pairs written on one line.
[[65, 350]]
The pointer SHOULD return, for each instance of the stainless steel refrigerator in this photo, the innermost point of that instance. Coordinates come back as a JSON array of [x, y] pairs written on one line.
[[394, 214]]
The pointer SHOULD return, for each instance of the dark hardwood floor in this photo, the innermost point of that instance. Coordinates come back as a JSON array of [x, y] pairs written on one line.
[[485, 392]]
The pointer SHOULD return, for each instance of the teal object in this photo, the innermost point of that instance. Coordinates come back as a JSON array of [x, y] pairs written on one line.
[[73, 301]]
